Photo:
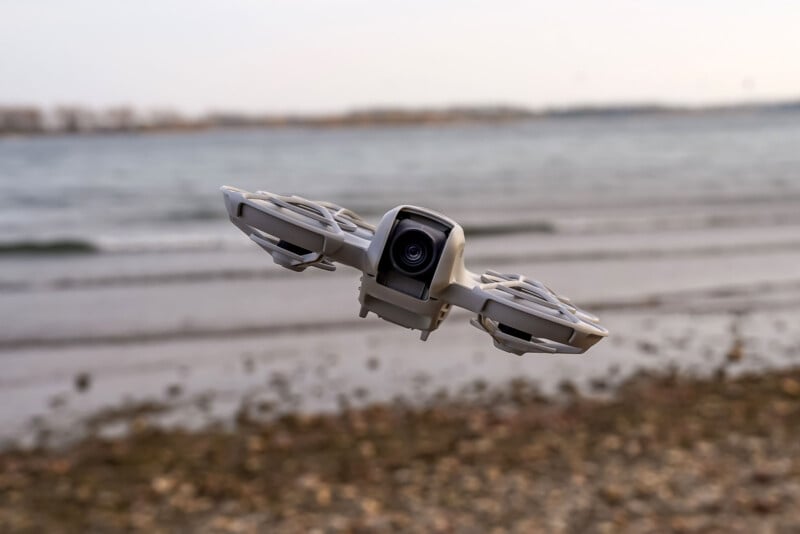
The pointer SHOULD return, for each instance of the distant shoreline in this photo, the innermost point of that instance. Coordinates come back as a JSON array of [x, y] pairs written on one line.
[[31, 121]]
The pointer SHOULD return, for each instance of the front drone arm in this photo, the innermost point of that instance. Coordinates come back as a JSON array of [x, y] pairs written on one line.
[[311, 234]]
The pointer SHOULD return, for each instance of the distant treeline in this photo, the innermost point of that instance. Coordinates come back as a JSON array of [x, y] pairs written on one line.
[[28, 120]]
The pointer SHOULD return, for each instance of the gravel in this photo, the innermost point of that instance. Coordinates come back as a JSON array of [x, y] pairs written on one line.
[[665, 453]]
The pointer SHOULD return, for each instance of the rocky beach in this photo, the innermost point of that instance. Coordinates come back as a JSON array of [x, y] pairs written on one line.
[[665, 453]]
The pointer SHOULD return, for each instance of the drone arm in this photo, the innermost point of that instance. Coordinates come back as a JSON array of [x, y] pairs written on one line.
[[479, 300], [318, 239], [515, 325]]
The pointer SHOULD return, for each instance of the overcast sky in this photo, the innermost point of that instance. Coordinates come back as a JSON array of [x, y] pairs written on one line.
[[326, 55]]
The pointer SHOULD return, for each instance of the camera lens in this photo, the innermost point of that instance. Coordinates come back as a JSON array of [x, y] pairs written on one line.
[[412, 252]]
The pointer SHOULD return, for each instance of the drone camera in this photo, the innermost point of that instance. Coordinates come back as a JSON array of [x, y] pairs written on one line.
[[412, 253]]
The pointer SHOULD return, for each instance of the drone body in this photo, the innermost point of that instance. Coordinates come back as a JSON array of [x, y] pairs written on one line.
[[413, 270]]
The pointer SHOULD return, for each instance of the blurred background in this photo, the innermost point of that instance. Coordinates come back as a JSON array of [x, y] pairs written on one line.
[[642, 159]]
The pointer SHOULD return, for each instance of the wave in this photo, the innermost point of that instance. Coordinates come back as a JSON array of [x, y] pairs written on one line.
[[107, 245], [196, 242], [535, 227], [223, 237], [48, 247], [194, 215]]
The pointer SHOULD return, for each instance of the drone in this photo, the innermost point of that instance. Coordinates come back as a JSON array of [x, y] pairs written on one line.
[[413, 271]]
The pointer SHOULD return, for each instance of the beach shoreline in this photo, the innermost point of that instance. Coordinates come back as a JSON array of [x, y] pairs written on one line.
[[31, 121]]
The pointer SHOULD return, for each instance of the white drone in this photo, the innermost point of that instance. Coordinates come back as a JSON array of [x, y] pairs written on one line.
[[413, 270]]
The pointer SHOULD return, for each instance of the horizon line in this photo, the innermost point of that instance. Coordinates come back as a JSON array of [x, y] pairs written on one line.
[[632, 104]]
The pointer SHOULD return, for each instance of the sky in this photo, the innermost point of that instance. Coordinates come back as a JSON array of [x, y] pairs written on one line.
[[287, 56]]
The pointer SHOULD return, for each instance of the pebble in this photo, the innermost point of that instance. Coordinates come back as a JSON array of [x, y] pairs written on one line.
[[664, 454]]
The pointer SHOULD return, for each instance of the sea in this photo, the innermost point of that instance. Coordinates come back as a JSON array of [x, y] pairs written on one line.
[[160, 191]]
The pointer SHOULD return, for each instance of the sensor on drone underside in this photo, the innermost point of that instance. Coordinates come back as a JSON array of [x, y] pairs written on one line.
[[413, 270]]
